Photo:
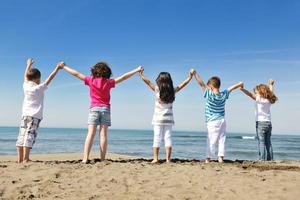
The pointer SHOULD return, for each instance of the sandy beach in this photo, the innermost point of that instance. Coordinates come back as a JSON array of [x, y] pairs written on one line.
[[62, 176]]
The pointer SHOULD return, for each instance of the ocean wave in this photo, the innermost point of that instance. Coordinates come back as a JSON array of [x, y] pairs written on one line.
[[204, 136]]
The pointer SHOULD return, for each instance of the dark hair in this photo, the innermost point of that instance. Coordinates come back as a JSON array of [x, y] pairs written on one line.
[[215, 82], [33, 74], [166, 88], [101, 69]]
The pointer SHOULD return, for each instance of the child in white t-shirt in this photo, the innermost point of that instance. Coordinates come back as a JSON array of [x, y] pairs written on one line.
[[264, 97], [32, 111]]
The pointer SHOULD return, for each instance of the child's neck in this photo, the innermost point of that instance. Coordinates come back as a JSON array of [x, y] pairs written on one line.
[[216, 91]]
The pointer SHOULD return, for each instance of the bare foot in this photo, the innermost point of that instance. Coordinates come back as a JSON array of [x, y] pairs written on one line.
[[26, 161], [85, 161], [154, 161], [221, 160], [168, 161], [207, 160]]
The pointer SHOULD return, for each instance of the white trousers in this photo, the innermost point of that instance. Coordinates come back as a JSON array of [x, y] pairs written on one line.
[[162, 131], [216, 135]]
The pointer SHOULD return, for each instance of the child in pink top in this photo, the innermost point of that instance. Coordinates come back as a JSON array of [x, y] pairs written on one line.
[[99, 90], [100, 84]]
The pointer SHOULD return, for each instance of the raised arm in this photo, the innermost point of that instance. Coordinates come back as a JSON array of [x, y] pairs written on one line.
[[74, 72], [147, 81], [271, 85], [249, 94], [200, 81], [127, 75], [53, 74], [186, 81], [28, 66], [236, 86]]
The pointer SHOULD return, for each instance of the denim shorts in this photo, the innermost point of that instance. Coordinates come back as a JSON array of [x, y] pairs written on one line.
[[99, 116]]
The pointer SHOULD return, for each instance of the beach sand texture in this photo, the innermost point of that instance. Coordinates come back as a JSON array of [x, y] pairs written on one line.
[[62, 176]]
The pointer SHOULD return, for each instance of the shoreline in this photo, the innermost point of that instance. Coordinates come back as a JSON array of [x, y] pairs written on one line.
[[75, 158], [296, 134], [63, 156]]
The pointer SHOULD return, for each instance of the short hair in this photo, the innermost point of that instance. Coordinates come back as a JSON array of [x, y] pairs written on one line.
[[214, 82], [33, 74], [101, 69]]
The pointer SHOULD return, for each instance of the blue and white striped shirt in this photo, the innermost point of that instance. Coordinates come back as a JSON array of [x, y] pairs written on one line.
[[215, 105]]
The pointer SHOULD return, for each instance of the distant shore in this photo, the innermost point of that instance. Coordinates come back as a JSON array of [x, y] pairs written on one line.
[[63, 176]]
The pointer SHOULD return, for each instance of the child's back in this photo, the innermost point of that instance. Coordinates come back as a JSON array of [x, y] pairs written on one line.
[[33, 99], [215, 104], [262, 109], [163, 112], [99, 90]]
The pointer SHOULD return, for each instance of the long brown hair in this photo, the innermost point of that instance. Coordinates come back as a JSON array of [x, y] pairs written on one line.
[[166, 88], [265, 92]]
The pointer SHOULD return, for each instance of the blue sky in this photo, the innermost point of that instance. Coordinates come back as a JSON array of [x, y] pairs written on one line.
[[248, 41]]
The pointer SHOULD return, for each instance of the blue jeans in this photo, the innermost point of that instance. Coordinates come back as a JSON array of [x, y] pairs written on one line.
[[264, 132]]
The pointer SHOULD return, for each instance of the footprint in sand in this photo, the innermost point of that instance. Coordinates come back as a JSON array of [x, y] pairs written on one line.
[[57, 175]]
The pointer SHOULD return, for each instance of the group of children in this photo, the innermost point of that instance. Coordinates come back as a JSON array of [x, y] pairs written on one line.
[[100, 84]]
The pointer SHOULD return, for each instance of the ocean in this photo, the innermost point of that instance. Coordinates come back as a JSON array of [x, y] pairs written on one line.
[[189, 145]]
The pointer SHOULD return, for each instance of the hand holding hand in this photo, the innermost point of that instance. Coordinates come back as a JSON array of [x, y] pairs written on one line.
[[140, 69], [60, 65], [192, 72], [241, 85], [271, 82]]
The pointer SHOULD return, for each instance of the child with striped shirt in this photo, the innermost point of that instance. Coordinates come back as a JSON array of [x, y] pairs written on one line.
[[215, 114], [163, 113]]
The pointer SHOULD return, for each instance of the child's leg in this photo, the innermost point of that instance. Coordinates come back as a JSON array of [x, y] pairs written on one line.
[[27, 136], [155, 154], [156, 141], [21, 139], [212, 138], [168, 142], [260, 129], [222, 138], [168, 154], [268, 143], [20, 154], [26, 154], [103, 141], [89, 141]]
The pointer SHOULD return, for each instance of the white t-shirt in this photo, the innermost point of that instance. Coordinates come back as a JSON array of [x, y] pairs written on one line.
[[262, 109], [33, 99]]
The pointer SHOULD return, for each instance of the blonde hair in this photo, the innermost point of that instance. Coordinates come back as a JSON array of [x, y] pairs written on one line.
[[265, 92]]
